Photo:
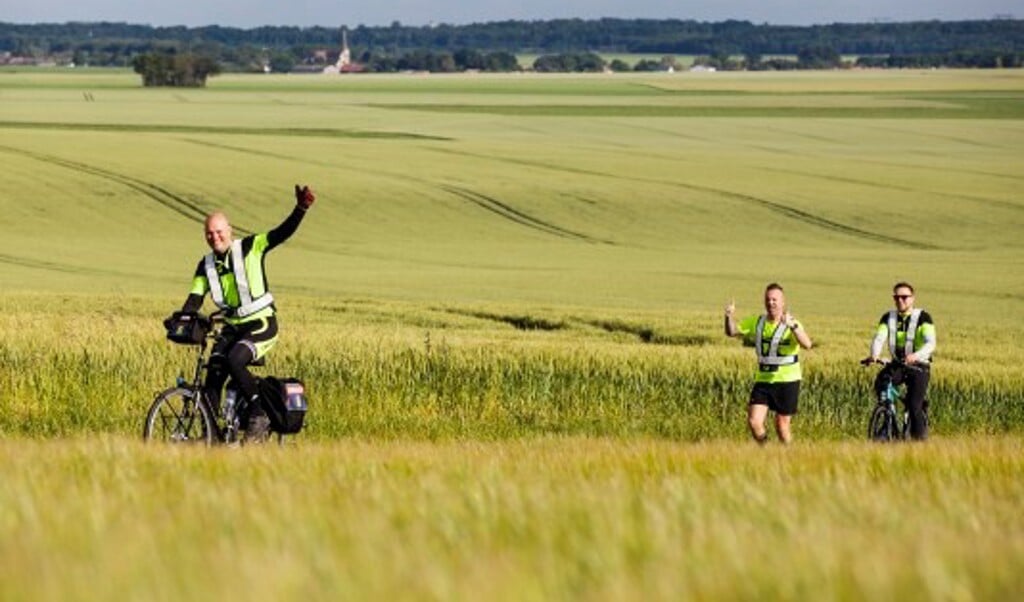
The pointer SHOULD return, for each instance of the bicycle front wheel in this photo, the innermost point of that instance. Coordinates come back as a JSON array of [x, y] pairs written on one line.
[[178, 416], [882, 425]]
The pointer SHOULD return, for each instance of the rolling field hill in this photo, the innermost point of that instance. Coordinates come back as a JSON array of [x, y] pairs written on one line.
[[625, 191]]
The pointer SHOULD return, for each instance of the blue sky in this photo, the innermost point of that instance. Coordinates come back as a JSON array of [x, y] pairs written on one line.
[[328, 13]]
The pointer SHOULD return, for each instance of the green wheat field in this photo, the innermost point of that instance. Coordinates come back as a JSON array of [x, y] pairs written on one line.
[[506, 306]]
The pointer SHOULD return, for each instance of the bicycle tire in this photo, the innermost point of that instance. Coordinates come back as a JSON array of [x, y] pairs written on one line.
[[176, 417], [882, 425]]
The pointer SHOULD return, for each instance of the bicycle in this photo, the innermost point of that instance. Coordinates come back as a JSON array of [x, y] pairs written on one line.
[[183, 413], [885, 424]]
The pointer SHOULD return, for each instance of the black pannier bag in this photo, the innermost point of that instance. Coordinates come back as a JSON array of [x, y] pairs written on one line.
[[285, 402], [187, 328]]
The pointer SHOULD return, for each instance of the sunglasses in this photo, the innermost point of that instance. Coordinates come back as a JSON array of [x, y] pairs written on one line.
[[901, 297]]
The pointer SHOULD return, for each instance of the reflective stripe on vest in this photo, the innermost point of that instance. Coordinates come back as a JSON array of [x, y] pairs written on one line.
[[248, 305], [772, 358], [908, 344]]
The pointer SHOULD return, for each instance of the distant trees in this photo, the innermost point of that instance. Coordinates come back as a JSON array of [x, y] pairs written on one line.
[[719, 60], [818, 57], [500, 61], [424, 60], [564, 43], [181, 70], [964, 59], [475, 60], [665, 63], [281, 62], [648, 65], [619, 65], [462, 59], [569, 62]]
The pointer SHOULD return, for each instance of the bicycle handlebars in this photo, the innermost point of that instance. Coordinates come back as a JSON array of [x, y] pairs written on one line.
[[885, 362]]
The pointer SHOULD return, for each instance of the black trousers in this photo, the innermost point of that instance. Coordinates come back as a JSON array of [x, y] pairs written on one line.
[[232, 353], [916, 379]]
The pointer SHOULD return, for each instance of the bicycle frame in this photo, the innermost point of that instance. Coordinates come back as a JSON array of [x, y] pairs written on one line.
[[887, 404], [185, 413], [226, 425], [891, 395]]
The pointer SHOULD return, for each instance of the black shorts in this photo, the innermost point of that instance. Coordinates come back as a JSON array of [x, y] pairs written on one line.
[[780, 398]]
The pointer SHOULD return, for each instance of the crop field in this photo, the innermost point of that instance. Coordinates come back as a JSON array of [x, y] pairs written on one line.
[[506, 304], [539, 519]]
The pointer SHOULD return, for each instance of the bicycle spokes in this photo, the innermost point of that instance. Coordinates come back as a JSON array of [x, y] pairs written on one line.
[[179, 423], [177, 418]]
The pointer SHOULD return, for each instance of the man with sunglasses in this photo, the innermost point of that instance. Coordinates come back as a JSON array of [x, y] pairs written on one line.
[[910, 334]]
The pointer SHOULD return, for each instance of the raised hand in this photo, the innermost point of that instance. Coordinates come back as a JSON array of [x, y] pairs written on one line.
[[304, 197]]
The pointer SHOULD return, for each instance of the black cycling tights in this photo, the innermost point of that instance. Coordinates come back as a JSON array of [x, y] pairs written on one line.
[[233, 351], [916, 380], [234, 364]]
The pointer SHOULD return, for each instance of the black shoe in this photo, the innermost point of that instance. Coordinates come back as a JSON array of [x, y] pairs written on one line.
[[258, 430]]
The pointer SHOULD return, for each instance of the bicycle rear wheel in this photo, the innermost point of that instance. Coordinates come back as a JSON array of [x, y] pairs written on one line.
[[882, 425], [178, 416]]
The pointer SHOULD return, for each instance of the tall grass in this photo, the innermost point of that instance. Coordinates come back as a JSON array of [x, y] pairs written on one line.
[[399, 370], [535, 518]]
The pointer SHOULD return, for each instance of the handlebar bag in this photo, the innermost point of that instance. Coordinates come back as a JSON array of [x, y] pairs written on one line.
[[186, 328]]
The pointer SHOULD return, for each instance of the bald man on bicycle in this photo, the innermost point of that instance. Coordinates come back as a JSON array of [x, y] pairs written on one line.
[[234, 276]]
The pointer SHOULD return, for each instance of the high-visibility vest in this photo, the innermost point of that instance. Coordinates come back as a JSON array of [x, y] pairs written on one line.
[[908, 344], [772, 357], [248, 305]]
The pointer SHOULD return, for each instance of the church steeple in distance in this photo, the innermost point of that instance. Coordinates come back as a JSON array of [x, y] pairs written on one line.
[[345, 57]]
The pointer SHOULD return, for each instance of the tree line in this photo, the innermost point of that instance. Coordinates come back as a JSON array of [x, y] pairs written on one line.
[[186, 56], [107, 43]]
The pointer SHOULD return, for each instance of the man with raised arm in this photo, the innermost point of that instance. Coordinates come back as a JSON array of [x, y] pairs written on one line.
[[909, 335], [776, 337], [234, 275]]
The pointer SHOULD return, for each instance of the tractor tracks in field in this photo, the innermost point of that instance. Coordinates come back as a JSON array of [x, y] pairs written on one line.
[[305, 161], [908, 189], [226, 130], [155, 192], [517, 321], [644, 333], [815, 220], [800, 215], [510, 213], [889, 129], [943, 169], [63, 268], [488, 203], [78, 270], [37, 264]]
